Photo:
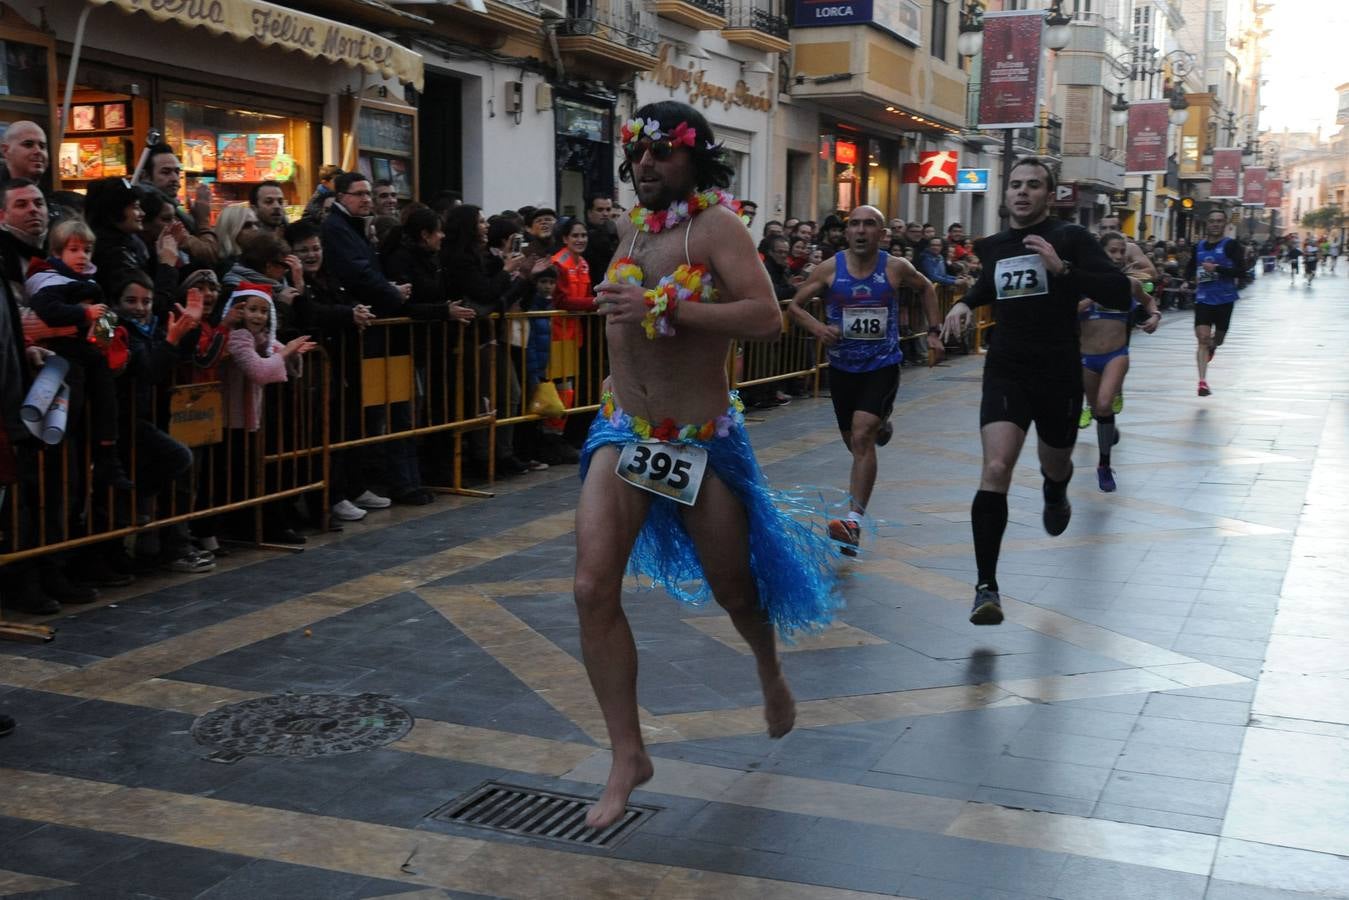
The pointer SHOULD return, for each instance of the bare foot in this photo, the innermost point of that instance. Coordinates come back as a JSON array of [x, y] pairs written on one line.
[[626, 774], [779, 707]]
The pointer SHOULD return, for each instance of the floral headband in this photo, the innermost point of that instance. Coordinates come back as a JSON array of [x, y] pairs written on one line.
[[683, 133]]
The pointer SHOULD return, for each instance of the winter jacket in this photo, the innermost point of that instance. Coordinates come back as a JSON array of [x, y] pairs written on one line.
[[117, 254], [351, 258], [59, 296], [245, 374], [934, 267]]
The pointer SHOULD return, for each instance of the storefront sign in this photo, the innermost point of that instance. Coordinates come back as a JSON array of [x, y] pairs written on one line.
[[1226, 174], [289, 29], [937, 171], [902, 18], [1254, 192], [1009, 97], [1273, 193], [972, 180], [1146, 143], [701, 91], [845, 152]]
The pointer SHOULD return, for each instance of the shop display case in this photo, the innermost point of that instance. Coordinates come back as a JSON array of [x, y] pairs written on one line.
[[27, 74], [232, 150]]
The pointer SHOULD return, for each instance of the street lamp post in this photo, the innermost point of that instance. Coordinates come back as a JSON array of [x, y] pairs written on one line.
[[970, 43]]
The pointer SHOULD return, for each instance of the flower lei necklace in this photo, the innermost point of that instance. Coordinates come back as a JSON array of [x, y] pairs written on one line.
[[688, 283], [668, 429], [676, 213]]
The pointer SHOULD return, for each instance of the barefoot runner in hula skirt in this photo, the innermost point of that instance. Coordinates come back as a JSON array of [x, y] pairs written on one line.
[[671, 490]]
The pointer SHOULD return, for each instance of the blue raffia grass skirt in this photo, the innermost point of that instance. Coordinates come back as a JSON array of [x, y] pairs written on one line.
[[791, 555]]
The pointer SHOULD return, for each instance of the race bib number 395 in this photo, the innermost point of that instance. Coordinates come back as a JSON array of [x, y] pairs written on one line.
[[669, 470], [1021, 276], [865, 323]]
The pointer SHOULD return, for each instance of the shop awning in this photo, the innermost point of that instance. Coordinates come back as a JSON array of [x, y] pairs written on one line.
[[289, 29]]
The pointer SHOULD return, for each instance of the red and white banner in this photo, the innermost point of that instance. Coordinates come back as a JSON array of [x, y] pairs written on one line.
[[937, 171], [1226, 174], [1149, 121], [1254, 193], [1273, 193], [1010, 91]]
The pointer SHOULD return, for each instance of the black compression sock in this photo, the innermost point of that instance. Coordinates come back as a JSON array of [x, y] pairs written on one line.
[[1055, 491], [988, 518], [1105, 436]]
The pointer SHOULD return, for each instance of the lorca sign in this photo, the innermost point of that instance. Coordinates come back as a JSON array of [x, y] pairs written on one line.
[[700, 90], [902, 18]]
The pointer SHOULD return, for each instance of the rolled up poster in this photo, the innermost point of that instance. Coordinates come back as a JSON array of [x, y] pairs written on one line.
[[54, 422], [45, 387]]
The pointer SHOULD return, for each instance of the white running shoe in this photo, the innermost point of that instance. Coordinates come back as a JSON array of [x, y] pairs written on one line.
[[346, 511], [371, 500]]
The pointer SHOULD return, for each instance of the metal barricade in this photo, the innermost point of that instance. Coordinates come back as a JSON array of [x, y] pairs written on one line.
[[794, 354], [186, 458], [402, 379]]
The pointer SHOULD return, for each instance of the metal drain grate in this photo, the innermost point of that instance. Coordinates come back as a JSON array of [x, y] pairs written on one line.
[[539, 814]]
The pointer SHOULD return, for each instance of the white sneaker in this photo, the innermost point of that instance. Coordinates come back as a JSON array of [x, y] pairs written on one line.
[[346, 511], [371, 500]]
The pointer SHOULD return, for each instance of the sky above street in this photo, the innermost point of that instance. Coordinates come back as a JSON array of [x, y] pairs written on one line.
[[1307, 59]]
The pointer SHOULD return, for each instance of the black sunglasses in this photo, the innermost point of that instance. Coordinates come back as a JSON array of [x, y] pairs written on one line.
[[660, 150]]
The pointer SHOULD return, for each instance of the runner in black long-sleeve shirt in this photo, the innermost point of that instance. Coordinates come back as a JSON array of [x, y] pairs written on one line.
[[1034, 274]]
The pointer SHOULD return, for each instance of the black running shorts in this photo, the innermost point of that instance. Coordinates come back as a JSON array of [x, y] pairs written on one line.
[[1219, 315], [873, 392], [1051, 397]]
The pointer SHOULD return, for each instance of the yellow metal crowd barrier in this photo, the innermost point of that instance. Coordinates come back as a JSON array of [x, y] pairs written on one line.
[[397, 380], [185, 459]]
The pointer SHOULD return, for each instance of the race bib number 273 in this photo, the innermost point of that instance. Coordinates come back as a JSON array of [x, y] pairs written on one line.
[[668, 470], [1021, 276]]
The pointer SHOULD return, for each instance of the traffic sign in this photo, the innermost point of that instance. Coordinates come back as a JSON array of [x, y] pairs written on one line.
[[972, 180]]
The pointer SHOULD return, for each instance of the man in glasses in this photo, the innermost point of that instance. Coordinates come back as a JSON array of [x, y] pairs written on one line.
[[670, 482]]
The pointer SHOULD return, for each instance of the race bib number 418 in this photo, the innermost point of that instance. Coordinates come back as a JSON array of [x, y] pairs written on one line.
[[1021, 276], [866, 323], [669, 470]]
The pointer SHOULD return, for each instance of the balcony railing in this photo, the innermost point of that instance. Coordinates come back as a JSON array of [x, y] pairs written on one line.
[[743, 14], [1053, 145], [628, 24], [715, 7]]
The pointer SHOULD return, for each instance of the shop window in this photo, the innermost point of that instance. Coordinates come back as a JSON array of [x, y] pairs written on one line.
[[234, 149], [27, 84], [103, 133], [386, 136], [940, 8]]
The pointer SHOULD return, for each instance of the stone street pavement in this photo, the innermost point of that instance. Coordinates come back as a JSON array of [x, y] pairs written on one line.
[[1165, 713]]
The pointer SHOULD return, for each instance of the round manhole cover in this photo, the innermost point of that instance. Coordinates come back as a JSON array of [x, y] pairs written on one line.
[[303, 725]]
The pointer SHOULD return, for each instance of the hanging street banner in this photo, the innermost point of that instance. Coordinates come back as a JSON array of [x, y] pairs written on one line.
[[1010, 92], [1273, 193], [1149, 121], [1226, 174], [937, 171], [1254, 194]]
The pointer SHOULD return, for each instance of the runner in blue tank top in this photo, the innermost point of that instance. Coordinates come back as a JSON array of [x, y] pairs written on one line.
[[861, 330], [1217, 264]]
